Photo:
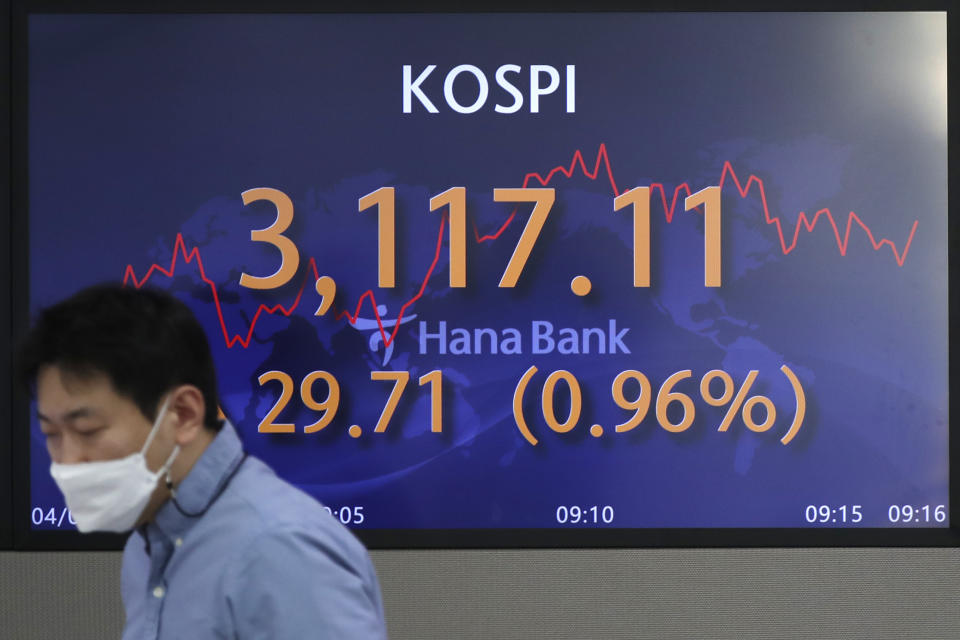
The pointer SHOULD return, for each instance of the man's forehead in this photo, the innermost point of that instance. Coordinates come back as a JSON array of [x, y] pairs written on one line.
[[73, 381], [79, 413], [65, 392]]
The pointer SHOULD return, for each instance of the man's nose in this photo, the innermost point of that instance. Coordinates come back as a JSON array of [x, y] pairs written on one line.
[[71, 451]]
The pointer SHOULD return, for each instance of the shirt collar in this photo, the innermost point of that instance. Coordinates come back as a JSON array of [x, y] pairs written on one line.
[[202, 484]]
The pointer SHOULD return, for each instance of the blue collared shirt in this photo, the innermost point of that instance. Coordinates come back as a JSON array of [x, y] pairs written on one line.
[[265, 560]]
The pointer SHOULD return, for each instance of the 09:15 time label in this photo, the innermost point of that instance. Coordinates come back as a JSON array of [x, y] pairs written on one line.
[[833, 514]]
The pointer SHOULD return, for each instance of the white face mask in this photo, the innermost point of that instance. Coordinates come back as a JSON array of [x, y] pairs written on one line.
[[111, 495]]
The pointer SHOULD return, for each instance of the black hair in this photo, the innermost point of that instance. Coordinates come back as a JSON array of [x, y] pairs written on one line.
[[144, 341]]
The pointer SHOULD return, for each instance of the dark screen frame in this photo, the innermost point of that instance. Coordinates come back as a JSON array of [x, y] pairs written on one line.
[[6, 476], [15, 530]]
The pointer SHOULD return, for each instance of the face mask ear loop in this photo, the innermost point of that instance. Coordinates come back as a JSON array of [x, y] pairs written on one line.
[[153, 431], [165, 469]]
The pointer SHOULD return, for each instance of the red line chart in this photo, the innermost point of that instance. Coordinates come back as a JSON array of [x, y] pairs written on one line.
[[601, 169]]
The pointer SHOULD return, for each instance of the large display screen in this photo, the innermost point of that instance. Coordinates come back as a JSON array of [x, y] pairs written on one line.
[[556, 272]]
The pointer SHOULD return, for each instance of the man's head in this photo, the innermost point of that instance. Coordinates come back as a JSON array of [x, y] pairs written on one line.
[[103, 362], [145, 342]]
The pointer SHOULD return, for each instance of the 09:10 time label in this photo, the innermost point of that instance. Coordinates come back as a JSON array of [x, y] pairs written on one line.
[[594, 514]]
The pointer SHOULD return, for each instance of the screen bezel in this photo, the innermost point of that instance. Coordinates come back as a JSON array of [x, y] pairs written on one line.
[[15, 531], [6, 475]]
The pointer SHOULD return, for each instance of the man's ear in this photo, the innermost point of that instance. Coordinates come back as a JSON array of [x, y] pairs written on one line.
[[188, 408]]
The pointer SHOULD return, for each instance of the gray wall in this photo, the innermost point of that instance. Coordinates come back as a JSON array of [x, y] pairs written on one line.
[[582, 594]]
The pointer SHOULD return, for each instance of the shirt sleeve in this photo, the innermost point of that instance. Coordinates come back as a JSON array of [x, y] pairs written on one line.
[[295, 584]]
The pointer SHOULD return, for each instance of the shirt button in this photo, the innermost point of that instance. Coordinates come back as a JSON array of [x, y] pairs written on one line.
[[158, 592], [179, 542]]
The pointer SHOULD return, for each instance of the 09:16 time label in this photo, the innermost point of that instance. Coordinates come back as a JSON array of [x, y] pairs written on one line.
[[909, 514]]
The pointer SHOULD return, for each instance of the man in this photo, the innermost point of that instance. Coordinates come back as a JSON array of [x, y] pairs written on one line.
[[222, 547]]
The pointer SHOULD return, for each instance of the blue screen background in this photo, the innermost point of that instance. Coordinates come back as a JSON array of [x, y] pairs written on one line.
[[146, 128]]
